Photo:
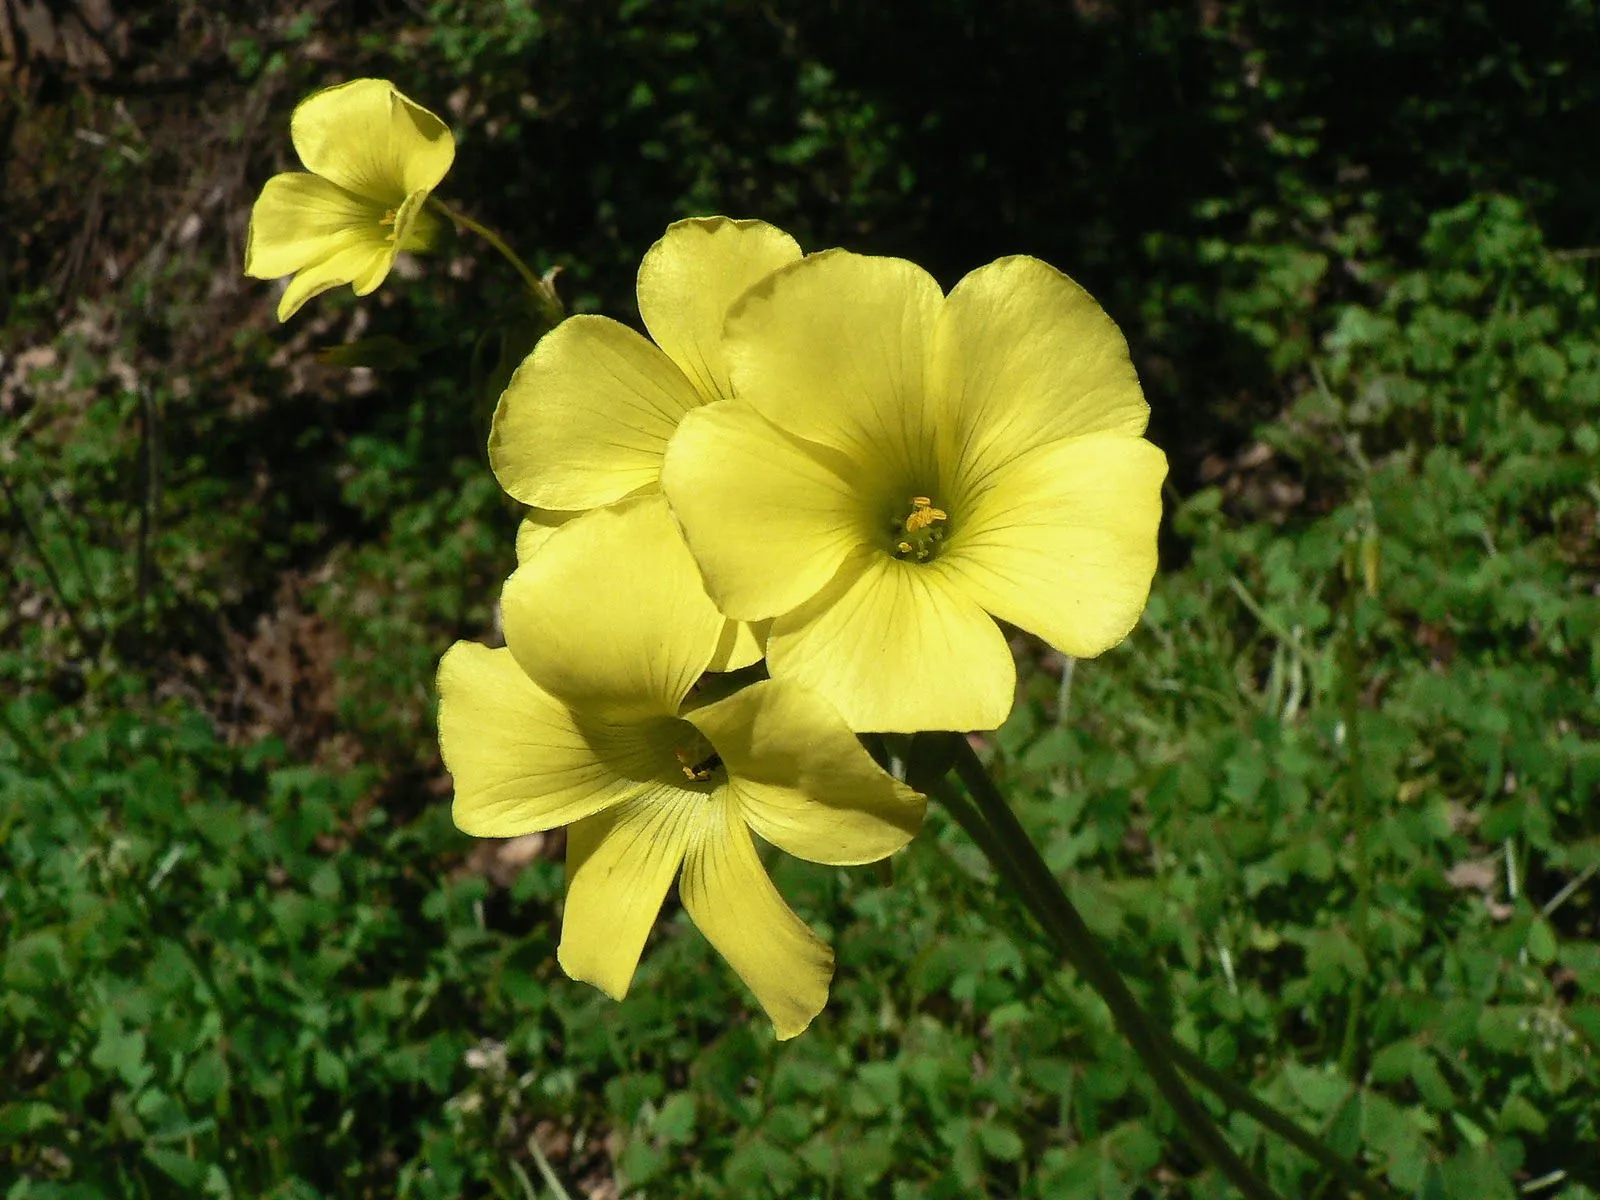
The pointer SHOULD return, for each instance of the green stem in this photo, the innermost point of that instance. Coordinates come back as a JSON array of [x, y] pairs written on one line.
[[546, 1171], [1023, 865], [1356, 797], [1242, 1099], [90, 645], [1033, 886], [543, 292]]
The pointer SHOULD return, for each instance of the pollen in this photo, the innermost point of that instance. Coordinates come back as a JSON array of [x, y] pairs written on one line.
[[389, 218], [918, 534], [695, 769], [923, 514]]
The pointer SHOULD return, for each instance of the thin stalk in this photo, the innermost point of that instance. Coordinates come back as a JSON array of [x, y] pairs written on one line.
[[546, 1171], [1023, 863], [149, 501], [1235, 1095], [541, 289], [1242, 1099], [68, 519], [90, 645], [1359, 817]]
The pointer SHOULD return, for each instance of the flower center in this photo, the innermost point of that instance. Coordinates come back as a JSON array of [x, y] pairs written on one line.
[[389, 218], [918, 535], [697, 758]]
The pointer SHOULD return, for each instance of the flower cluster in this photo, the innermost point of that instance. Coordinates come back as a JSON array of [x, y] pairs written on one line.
[[796, 512]]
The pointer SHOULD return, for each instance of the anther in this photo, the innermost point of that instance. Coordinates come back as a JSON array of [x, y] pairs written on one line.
[[923, 514], [697, 772]]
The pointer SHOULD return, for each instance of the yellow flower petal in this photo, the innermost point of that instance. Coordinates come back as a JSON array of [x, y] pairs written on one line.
[[769, 518], [1063, 540], [619, 867], [519, 760], [691, 277], [300, 219], [414, 227], [1023, 356], [586, 418], [369, 139], [610, 615], [362, 264], [536, 528], [832, 349], [897, 647], [802, 781], [730, 898], [742, 644]]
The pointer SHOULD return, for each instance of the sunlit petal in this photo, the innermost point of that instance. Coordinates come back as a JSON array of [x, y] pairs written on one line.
[[363, 264], [897, 647], [691, 277], [769, 517], [519, 760], [369, 139], [1063, 541], [300, 219], [833, 349], [1024, 356], [800, 778], [537, 525], [610, 615], [619, 867], [587, 416], [730, 898]]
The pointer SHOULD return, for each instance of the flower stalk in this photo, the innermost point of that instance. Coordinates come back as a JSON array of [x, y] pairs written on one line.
[[1357, 575], [989, 821], [542, 288]]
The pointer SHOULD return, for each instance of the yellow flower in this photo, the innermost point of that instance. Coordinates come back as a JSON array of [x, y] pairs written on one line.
[[902, 466], [596, 716], [587, 416], [373, 157]]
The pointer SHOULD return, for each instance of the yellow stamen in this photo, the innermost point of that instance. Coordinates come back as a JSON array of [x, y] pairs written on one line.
[[923, 514], [697, 772], [918, 534], [389, 219]]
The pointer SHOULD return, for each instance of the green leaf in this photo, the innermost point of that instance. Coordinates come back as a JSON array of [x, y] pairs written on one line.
[[22, 1118], [1542, 945], [121, 1051], [186, 1172], [874, 1090], [381, 352], [1000, 1141], [1518, 1115], [675, 1121]]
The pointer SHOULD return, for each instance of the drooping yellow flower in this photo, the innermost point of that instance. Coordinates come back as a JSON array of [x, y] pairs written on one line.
[[373, 156], [901, 467], [595, 716], [587, 416]]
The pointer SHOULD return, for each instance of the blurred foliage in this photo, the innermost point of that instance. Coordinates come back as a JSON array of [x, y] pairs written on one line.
[[1332, 805]]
